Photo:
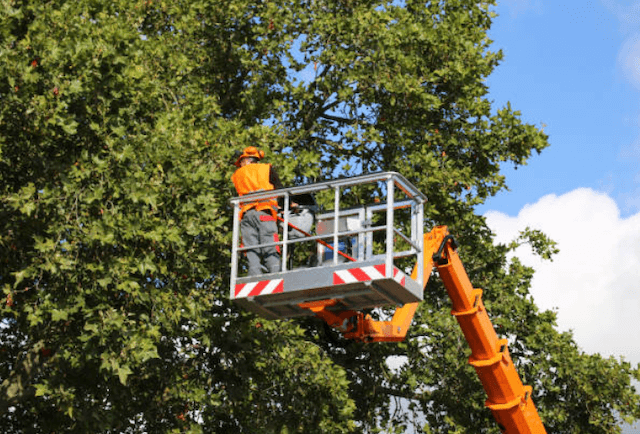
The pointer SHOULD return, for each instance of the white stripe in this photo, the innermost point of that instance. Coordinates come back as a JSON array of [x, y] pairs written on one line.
[[247, 289], [373, 273], [273, 284], [346, 276]]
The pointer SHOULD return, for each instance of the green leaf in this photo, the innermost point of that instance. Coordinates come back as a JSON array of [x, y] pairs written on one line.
[[59, 315], [69, 126], [123, 373], [42, 389]]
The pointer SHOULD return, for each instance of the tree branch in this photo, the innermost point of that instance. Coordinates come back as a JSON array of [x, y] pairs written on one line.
[[338, 119]]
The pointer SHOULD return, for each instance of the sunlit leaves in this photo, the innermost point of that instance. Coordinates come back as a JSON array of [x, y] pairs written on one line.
[[118, 122]]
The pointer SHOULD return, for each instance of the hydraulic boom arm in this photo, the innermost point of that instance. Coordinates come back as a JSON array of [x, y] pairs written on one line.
[[509, 400]]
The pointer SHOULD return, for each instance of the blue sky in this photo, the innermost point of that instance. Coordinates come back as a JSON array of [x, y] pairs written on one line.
[[568, 66], [573, 68]]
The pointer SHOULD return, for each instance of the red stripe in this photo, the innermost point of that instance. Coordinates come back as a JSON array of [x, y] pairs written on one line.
[[276, 239], [380, 268], [239, 288], [279, 288], [360, 275], [258, 288]]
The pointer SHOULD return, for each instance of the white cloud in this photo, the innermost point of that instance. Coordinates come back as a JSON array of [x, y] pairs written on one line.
[[629, 59], [594, 282], [627, 15]]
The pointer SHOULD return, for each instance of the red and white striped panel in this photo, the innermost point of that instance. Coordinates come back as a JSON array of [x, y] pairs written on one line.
[[259, 288], [364, 274]]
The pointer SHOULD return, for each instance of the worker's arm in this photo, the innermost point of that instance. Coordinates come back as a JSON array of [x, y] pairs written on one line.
[[274, 179]]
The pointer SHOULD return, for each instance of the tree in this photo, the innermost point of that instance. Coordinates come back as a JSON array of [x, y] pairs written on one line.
[[117, 126]]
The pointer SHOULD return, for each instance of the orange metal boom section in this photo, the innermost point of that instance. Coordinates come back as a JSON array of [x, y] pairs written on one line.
[[509, 400]]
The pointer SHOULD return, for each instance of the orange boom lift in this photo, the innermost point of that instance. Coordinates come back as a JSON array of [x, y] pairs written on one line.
[[337, 291]]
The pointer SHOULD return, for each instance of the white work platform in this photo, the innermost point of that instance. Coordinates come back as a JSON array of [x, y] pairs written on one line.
[[356, 286], [373, 238]]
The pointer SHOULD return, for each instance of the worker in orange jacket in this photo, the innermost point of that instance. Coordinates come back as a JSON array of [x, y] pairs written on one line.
[[258, 218]]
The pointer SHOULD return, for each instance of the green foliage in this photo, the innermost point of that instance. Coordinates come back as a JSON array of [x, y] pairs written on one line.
[[539, 242], [118, 121]]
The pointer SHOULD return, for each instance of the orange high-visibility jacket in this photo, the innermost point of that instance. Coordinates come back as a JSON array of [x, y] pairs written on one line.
[[251, 178]]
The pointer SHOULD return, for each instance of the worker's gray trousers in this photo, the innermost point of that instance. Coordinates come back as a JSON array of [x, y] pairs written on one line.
[[257, 228]]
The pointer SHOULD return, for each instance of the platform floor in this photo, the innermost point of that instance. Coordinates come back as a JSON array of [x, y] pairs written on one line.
[[357, 286]]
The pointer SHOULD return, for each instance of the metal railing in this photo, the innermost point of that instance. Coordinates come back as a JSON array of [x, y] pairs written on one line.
[[396, 193]]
